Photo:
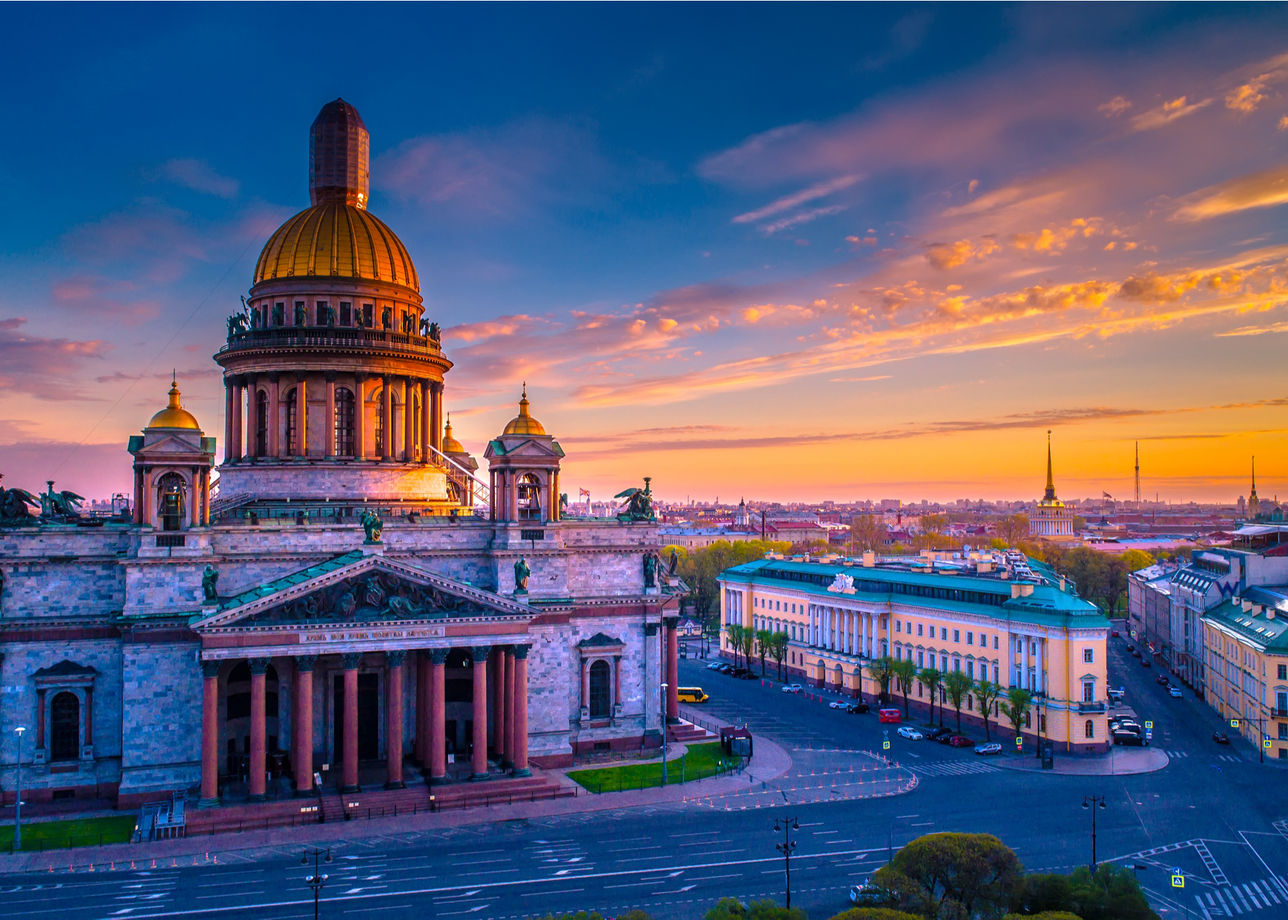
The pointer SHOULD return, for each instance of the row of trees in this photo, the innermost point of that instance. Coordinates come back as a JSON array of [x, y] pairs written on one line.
[[700, 567], [963, 877], [950, 687], [761, 642]]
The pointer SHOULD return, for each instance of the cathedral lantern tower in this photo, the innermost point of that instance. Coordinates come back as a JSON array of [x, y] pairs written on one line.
[[524, 465], [334, 373], [172, 463]]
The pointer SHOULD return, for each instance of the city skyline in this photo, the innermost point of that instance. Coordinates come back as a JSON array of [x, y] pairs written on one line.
[[826, 274]]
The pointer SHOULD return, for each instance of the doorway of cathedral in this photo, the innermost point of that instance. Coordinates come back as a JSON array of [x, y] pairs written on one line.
[[368, 717]]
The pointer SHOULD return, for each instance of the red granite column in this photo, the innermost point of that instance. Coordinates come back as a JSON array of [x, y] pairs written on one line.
[[409, 421], [498, 703], [349, 777], [437, 716], [521, 711], [302, 753], [387, 420], [672, 670], [328, 429], [422, 708], [508, 728], [479, 762], [210, 733], [40, 719], [394, 719], [258, 699]]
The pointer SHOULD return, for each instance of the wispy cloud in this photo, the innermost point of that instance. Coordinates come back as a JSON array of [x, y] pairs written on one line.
[[199, 176], [43, 367], [1265, 189], [796, 199], [1168, 112]]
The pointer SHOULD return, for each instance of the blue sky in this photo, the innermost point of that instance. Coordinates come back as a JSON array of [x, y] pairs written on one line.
[[720, 241]]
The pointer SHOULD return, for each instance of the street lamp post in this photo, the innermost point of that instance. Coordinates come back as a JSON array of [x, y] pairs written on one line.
[[17, 802], [1093, 802], [787, 825], [664, 731], [317, 880]]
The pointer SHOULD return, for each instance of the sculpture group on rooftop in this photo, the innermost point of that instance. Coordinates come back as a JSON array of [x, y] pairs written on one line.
[[372, 525], [60, 507], [639, 503]]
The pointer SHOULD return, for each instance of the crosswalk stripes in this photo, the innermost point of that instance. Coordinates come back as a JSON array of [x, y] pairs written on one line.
[[1241, 898], [1210, 863], [952, 768], [1226, 758]]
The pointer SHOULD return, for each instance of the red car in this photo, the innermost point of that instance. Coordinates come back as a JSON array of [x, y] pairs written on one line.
[[890, 716], [960, 741]]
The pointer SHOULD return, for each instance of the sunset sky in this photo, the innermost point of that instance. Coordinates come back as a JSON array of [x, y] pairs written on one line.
[[785, 252]]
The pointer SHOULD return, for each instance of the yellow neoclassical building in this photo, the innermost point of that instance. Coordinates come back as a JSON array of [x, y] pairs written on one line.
[[1000, 617], [1246, 641]]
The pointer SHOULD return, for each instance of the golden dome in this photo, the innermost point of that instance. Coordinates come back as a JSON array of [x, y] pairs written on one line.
[[334, 239], [174, 415], [450, 444], [523, 423]]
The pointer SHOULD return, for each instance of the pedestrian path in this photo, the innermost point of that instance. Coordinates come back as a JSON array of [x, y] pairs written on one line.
[[952, 768], [1244, 898]]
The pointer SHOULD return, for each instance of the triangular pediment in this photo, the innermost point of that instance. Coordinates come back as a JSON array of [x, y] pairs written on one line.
[[358, 589], [185, 444]]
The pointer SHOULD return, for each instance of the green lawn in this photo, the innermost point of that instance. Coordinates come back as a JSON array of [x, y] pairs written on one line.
[[80, 832], [701, 761]]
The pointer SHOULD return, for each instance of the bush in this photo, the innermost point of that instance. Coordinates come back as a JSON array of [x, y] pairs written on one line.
[[874, 913], [733, 909]]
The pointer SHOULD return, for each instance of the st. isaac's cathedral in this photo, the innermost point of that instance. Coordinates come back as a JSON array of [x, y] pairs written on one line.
[[351, 600]]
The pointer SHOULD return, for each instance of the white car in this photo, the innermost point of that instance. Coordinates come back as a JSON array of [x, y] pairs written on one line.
[[714, 666], [793, 688], [1174, 692], [838, 704], [907, 731]]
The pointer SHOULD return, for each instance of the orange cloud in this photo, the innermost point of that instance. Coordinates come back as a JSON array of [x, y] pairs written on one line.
[[1259, 190], [952, 255], [1168, 112]]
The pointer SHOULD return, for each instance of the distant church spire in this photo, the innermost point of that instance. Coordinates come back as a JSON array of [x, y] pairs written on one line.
[[1049, 495], [1254, 503]]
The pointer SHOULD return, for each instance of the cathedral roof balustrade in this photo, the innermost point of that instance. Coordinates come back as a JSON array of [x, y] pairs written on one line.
[[314, 337]]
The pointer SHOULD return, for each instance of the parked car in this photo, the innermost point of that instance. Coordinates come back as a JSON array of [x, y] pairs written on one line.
[[959, 741], [837, 704], [1127, 738], [745, 674], [991, 747], [891, 716], [935, 734], [1130, 725], [715, 666], [1220, 737], [1145, 663], [1175, 692], [865, 894], [907, 731], [1161, 680], [1114, 633], [1131, 649], [1116, 696], [858, 708], [725, 668], [792, 688]]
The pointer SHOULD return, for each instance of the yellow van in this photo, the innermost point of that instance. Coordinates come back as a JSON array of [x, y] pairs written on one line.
[[691, 694]]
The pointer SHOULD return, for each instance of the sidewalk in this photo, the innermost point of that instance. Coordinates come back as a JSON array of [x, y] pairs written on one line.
[[770, 761], [1118, 762]]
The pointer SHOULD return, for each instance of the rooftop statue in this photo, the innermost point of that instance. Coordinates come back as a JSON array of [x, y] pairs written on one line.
[[650, 570], [59, 506], [521, 573], [372, 525], [209, 579], [237, 324], [639, 503], [16, 505], [328, 315]]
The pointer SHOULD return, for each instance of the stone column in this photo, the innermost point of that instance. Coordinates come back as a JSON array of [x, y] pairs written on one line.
[[508, 726], [585, 684], [210, 733], [274, 425], [520, 707], [239, 389], [394, 719], [302, 416], [437, 716], [302, 755], [672, 670], [258, 736], [436, 416], [422, 709], [359, 418], [40, 718], [479, 763], [409, 421], [387, 419], [426, 420], [89, 715], [228, 420], [252, 402], [349, 778], [498, 704], [328, 433]]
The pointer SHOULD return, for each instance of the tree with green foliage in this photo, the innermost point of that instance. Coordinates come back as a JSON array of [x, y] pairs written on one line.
[[700, 568], [749, 646], [879, 670], [932, 679], [957, 685], [778, 650], [986, 694], [1044, 915], [904, 673], [733, 909], [1111, 893], [868, 534], [951, 876], [1016, 707], [874, 913], [1011, 530], [764, 638], [734, 633]]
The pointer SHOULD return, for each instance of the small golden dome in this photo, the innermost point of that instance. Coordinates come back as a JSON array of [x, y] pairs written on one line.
[[174, 415], [450, 444], [523, 423], [334, 239]]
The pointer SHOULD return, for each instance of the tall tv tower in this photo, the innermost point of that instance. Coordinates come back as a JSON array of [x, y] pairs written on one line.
[[1137, 474]]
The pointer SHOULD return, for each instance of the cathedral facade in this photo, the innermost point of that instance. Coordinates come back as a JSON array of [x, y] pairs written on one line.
[[343, 599]]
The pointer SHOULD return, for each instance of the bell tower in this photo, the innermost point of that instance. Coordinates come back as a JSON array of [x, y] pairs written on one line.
[[524, 465], [172, 463]]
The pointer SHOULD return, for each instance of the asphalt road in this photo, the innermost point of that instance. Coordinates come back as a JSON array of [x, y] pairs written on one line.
[[1214, 818]]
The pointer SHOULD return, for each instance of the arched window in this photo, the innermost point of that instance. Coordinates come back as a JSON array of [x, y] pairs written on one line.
[[64, 726], [1089, 729], [293, 422], [529, 498], [261, 424], [600, 695], [342, 444], [170, 501], [380, 422]]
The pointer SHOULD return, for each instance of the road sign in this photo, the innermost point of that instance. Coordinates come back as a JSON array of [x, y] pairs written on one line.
[[1178, 880], [1234, 723], [1149, 725], [1266, 743], [1019, 741], [885, 745]]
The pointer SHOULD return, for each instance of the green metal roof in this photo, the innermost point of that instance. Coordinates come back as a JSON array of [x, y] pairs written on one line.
[[287, 581], [1046, 606], [1270, 635]]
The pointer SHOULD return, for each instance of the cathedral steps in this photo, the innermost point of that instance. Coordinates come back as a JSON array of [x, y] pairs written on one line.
[[688, 733]]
